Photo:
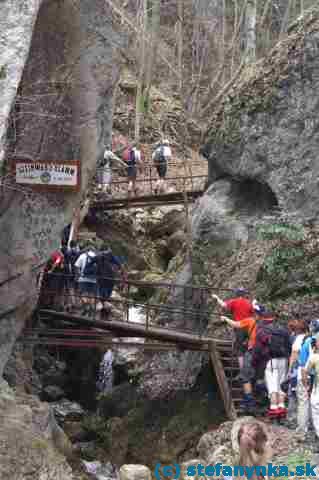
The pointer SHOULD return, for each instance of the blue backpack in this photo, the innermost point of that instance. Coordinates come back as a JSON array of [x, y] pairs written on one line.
[[90, 268]]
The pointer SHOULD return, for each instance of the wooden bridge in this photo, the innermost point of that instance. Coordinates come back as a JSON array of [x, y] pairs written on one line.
[[181, 188], [73, 329]]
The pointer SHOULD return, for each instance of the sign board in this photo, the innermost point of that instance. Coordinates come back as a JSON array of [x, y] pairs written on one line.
[[55, 174]]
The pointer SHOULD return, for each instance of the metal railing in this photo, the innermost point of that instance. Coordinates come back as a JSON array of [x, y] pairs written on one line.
[[167, 303]]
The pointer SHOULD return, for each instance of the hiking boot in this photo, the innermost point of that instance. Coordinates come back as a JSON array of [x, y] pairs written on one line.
[[248, 404], [282, 412]]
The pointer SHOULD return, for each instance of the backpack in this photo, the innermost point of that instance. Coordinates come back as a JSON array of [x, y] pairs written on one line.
[[90, 267], [104, 264], [159, 156], [272, 341], [129, 157]]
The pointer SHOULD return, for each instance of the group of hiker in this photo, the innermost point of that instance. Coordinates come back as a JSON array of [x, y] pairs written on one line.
[[133, 161], [284, 359], [86, 273]]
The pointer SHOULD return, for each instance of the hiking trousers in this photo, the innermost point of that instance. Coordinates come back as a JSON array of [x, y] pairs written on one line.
[[315, 409], [275, 375], [303, 408]]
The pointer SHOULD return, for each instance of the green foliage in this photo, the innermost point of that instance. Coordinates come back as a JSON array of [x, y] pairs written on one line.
[[281, 259], [293, 460], [96, 425], [281, 231]]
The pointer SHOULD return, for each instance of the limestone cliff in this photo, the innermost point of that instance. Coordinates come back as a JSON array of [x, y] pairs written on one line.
[[266, 128], [62, 111]]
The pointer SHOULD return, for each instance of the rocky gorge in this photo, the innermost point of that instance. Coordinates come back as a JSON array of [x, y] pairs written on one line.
[[255, 225]]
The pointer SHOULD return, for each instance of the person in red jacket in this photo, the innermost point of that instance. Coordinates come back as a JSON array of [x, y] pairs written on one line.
[[240, 307]]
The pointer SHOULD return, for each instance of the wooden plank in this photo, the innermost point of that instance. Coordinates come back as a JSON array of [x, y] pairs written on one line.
[[222, 381]]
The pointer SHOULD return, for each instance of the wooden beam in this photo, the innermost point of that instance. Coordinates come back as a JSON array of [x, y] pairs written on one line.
[[145, 200], [222, 381], [126, 329]]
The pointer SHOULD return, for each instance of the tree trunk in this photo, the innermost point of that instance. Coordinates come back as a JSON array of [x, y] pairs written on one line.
[[180, 13], [139, 109], [154, 18], [251, 14]]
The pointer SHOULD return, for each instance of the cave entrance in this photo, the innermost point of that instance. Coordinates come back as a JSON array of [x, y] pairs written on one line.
[[253, 197]]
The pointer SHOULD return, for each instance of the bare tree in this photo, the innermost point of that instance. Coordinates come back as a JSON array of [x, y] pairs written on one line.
[[250, 30]]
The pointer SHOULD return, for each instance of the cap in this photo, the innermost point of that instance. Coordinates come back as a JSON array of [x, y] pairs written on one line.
[[240, 291], [260, 309]]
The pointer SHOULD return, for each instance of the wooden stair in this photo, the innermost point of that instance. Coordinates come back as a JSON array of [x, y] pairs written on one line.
[[225, 364]]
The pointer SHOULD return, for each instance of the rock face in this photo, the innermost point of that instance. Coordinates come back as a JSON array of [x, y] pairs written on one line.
[[266, 128], [63, 111], [16, 24], [30, 440]]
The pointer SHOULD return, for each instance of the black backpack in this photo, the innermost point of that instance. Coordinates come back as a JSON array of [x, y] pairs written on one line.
[[90, 267], [104, 264], [272, 341]]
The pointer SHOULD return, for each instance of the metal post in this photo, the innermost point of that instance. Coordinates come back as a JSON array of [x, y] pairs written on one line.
[[147, 314], [151, 179], [127, 303]]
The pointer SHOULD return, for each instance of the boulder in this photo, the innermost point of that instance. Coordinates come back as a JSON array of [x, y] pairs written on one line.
[[100, 471], [66, 410], [135, 472], [210, 441], [216, 218], [52, 393]]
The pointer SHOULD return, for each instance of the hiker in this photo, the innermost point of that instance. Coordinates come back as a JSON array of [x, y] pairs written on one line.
[[303, 405], [247, 372], [310, 380], [87, 283], [240, 307], [133, 159], [271, 353], [52, 282], [161, 155], [105, 170], [252, 441], [71, 254], [291, 382], [107, 265]]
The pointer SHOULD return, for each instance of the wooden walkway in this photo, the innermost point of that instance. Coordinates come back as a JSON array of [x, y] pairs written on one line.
[[178, 190], [107, 202], [79, 331]]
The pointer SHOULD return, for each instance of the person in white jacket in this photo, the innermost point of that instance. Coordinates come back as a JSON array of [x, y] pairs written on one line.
[[105, 171], [161, 156]]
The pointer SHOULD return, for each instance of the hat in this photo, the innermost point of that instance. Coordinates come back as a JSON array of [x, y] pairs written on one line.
[[260, 309], [314, 326], [240, 291]]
